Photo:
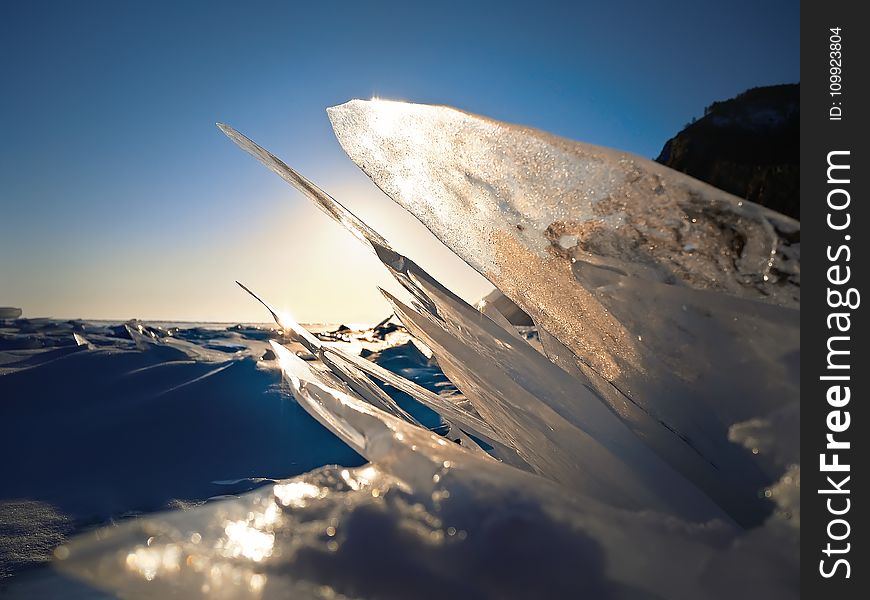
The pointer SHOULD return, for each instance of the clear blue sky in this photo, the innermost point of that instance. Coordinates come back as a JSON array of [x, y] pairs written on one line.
[[119, 198]]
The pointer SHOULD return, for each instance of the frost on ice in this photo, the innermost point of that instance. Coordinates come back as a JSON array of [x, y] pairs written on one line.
[[650, 453]]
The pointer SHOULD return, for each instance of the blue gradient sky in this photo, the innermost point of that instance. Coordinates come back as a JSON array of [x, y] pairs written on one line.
[[119, 198]]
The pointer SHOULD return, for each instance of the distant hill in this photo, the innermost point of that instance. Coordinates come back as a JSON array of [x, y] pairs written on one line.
[[748, 145]]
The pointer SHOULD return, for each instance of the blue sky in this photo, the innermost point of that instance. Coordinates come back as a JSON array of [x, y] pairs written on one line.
[[119, 198]]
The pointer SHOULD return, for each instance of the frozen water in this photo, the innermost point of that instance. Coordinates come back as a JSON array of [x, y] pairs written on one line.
[[426, 515], [630, 464], [503, 197], [667, 288], [699, 449]]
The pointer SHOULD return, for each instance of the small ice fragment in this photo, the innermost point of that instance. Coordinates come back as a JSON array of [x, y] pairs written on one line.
[[568, 241]]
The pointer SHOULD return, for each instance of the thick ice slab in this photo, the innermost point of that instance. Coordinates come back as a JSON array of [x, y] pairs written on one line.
[[661, 287]]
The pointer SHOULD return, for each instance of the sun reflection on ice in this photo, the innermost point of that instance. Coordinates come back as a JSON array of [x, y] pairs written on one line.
[[296, 493], [243, 540], [150, 562]]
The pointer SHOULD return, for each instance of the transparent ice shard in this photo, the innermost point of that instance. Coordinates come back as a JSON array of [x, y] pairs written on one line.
[[81, 340], [171, 348], [471, 422], [659, 286], [536, 214], [461, 422], [312, 192], [345, 368]]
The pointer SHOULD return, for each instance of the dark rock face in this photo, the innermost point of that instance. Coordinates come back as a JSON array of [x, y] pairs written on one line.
[[748, 146]]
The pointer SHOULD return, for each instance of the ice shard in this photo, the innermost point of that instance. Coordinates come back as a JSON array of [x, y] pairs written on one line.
[[345, 368], [535, 214], [661, 287]]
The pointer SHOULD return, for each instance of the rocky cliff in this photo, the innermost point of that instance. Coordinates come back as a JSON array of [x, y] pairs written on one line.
[[748, 145]]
